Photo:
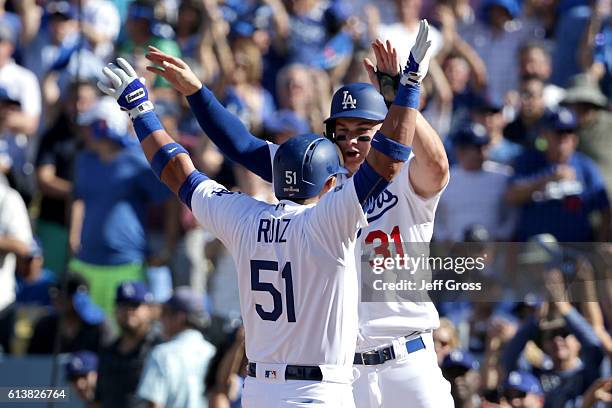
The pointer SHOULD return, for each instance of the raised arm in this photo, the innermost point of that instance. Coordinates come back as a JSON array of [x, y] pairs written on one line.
[[429, 169], [169, 160], [391, 145], [221, 126]]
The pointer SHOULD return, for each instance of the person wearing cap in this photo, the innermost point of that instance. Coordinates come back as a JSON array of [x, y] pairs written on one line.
[[491, 116], [570, 342], [498, 28], [521, 390], [83, 324], [594, 122], [108, 228], [532, 116], [174, 372], [60, 36], [460, 368], [33, 280], [140, 27], [81, 372], [558, 189], [121, 363], [475, 192]]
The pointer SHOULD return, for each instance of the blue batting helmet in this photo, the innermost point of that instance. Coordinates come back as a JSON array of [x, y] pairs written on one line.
[[357, 100], [303, 164]]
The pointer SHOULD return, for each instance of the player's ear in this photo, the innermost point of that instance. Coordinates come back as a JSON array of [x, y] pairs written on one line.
[[329, 184]]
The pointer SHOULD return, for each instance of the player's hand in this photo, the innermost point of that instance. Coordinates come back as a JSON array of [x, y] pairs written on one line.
[[386, 59], [418, 61], [127, 88], [175, 71]]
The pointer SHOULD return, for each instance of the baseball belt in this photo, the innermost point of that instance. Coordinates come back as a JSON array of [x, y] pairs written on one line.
[[379, 356], [293, 372]]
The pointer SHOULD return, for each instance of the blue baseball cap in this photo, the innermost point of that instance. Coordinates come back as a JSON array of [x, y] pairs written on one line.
[[523, 381], [459, 358], [512, 6], [184, 299], [285, 121], [81, 363], [87, 310], [562, 120], [141, 11], [472, 134], [133, 292], [7, 32], [63, 9]]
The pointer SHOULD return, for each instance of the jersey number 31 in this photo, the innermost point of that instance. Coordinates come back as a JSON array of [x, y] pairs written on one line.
[[259, 286]]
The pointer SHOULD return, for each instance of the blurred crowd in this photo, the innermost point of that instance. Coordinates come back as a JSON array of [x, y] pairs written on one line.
[[98, 260]]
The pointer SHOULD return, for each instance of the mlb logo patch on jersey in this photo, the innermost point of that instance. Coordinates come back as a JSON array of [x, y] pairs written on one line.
[[271, 374]]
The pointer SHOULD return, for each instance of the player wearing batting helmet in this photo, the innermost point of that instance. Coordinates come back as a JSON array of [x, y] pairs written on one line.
[[395, 353]]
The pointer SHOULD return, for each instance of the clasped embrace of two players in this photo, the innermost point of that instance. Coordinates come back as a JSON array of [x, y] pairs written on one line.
[[309, 339]]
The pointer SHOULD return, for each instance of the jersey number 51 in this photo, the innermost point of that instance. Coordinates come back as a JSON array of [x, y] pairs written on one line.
[[258, 286]]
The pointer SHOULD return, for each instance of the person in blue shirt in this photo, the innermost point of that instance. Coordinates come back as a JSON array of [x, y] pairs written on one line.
[[33, 282], [573, 347], [113, 187], [558, 189]]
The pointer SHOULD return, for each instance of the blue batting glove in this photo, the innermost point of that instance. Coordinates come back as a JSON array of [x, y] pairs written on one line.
[[417, 66], [127, 88]]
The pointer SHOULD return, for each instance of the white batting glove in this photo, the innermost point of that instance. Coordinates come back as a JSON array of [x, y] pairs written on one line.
[[127, 88], [418, 61]]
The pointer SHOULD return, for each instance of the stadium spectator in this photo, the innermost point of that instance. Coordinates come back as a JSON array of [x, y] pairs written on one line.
[[491, 116], [522, 389], [559, 188], [54, 173], [574, 350], [108, 230], [402, 33], [227, 372], [82, 325], [121, 363], [459, 73], [595, 122], [532, 115], [100, 25], [81, 373], [284, 125], [596, 48], [475, 194], [182, 360], [498, 28], [460, 368], [33, 282], [15, 240], [534, 61], [599, 394]]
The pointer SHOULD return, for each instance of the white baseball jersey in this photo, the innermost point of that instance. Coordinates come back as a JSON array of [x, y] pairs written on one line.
[[296, 272], [397, 215]]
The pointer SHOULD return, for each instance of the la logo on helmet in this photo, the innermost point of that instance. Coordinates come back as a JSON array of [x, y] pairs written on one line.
[[348, 101]]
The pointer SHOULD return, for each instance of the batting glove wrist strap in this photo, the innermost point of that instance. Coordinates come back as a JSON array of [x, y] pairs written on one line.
[[141, 109]]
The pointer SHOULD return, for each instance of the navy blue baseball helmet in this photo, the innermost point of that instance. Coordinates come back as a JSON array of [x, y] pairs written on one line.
[[357, 100], [303, 164]]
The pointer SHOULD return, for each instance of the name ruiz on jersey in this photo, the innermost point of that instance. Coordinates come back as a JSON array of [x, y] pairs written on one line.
[[272, 230]]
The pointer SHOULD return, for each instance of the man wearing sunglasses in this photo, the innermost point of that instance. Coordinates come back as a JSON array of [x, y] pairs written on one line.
[[559, 189]]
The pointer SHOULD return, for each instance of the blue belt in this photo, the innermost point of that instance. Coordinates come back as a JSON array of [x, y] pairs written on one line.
[[379, 356]]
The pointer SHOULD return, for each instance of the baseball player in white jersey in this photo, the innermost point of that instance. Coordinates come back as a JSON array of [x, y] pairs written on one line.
[[295, 260], [394, 340]]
